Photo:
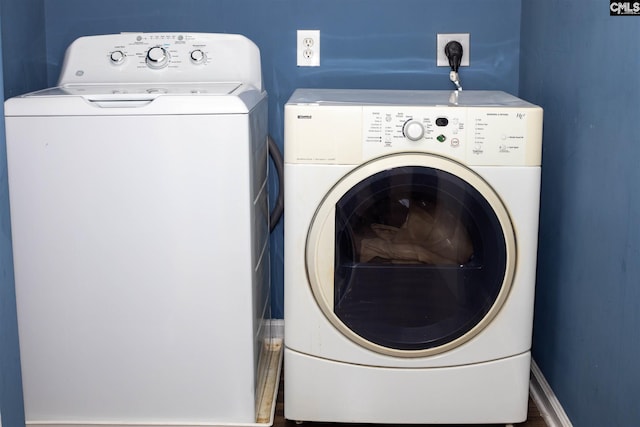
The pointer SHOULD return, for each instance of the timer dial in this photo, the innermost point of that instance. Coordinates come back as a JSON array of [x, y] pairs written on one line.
[[413, 130], [157, 57]]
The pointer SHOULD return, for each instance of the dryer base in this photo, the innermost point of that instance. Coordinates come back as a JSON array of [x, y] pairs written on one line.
[[323, 390]]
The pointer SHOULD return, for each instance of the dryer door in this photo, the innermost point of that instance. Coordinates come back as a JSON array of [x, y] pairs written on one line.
[[411, 254]]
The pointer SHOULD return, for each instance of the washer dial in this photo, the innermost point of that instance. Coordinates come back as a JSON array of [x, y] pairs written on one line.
[[157, 57], [197, 56], [117, 57]]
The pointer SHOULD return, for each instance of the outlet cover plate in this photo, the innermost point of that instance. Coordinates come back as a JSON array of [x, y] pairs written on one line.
[[308, 48], [443, 39]]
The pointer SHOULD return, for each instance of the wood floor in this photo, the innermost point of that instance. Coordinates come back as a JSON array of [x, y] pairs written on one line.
[[534, 418]]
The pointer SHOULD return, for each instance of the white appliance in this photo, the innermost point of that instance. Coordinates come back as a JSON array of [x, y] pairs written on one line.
[[140, 233], [410, 255]]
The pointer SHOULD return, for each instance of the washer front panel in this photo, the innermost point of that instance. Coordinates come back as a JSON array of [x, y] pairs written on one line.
[[426, 224]]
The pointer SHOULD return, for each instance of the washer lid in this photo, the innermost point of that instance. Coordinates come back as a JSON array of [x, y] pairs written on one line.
[[135, 91], [143, 99]]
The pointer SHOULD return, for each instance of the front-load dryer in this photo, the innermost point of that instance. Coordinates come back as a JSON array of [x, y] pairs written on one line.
[[410, 255], [140, 233]]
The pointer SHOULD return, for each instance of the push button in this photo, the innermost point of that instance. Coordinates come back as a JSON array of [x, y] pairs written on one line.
[[442, 121]]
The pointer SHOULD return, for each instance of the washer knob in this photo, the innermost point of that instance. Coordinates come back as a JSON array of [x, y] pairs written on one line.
[[197, 56], [117, 57], [413, 130], [157, 57]]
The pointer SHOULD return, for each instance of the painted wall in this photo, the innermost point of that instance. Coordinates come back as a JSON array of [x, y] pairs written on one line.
[[11, 405], [10, 380], [585, 74], [22, 69], [24, 51]]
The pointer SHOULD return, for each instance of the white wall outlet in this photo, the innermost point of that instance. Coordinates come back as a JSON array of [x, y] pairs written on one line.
[[308, 48], [443, 39]]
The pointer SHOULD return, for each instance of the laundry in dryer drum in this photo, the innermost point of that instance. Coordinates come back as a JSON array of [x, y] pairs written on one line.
[[436, 237]]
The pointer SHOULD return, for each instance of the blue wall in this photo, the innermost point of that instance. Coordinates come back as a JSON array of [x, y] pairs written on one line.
[[23, 42], [22, 60], [11, 408], [582, 66]]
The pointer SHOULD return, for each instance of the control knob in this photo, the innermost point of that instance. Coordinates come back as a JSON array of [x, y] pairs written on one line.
[[117, 57], [157, 57], [413, 130], [197, 56]]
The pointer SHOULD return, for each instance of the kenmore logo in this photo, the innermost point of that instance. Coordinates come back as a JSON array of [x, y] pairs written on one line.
[[304, 116]]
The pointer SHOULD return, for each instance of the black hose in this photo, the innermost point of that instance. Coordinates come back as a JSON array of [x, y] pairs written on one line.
[[278, 209]]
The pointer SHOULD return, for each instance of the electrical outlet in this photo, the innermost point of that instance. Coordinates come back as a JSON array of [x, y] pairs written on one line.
[[308, 48], [443, 39]]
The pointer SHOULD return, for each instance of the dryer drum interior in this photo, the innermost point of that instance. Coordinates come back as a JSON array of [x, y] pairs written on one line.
[[421, 258]]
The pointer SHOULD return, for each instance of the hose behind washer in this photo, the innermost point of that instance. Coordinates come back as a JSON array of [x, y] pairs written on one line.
[[278, 209]]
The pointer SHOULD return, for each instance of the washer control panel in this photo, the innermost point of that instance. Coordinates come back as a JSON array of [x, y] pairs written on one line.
[[161, 57], [158, 51]]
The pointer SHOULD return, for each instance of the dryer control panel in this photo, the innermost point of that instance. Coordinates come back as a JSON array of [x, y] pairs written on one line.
[[473, 135], [389, 129], [326, 126]]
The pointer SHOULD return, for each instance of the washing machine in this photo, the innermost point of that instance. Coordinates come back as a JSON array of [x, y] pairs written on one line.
[[410, 255], [138, 192]]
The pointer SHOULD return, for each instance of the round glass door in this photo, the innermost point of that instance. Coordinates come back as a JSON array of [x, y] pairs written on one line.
[[411, 254]]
